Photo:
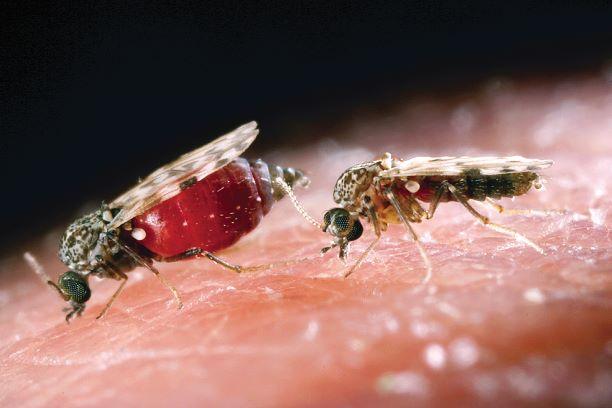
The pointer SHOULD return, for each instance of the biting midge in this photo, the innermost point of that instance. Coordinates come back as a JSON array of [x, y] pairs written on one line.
[[203, 202], [390, 191]]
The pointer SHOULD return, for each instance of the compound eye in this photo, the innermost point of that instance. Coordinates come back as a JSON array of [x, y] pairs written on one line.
[[75, 286], [356, 231], [330, 215], [340, 223]]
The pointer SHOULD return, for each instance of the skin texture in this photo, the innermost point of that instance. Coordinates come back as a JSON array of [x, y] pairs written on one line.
[[498, 323]]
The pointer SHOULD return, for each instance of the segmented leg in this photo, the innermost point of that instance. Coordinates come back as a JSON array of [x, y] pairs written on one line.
[[124, 279], [327, 248], [362, 257], [197, 252], [231, 266], [487, 223], [522, 211], [75, 309], [398, 208], [190, 253], [373, 216], [255, 268], [377, 230], [433, 205], [150, 267]]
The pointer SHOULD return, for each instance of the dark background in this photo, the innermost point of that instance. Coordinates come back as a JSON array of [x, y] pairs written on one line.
[[94, 96]]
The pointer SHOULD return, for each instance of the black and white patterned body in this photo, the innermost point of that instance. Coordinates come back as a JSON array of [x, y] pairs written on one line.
[[390, 191]]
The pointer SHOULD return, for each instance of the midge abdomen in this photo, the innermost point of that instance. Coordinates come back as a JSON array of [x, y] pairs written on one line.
[[475, 186], [215, 212]]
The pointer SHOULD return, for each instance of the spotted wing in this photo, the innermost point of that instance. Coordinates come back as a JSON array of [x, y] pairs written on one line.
[[164, 183], [453, 166]]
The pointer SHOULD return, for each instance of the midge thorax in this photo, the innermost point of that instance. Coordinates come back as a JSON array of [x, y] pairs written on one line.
[[391, 191], [203, 202]]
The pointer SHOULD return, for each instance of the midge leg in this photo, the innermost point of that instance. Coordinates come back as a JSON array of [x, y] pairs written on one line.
[[436, 200], [398, 208], [372, 215], [124, 279], [377, 230], [150, 267], [232, 267], [522, 211], [74, 309], [485, 220], [199, 252], [327, 248], [362, 257]]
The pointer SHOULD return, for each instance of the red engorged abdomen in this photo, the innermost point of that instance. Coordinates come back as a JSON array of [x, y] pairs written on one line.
[[212, 214]]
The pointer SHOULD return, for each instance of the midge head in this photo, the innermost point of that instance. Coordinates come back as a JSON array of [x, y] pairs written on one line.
[[344, 227], [85, 248], [73, 287]]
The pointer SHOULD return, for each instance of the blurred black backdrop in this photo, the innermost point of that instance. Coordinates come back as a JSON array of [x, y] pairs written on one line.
[[95, 94]]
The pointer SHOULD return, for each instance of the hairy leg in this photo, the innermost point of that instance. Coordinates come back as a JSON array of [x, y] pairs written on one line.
[[400, 211], [487, 223], [199, 252], [520, 211], [144, 263], [123, 277]]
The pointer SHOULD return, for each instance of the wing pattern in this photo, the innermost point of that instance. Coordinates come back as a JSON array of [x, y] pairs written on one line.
[[454, 166], [164, 183]]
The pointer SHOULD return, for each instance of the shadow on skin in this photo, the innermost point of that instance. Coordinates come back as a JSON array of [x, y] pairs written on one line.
[[498, 321]]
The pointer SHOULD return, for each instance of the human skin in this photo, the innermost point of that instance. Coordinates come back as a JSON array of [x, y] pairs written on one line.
[[498, 322]]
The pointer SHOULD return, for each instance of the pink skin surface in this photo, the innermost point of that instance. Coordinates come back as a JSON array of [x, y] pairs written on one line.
[[498, 322]]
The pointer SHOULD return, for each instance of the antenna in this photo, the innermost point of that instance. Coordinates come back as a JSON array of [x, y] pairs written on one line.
[[37, 267], [298, 206]]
